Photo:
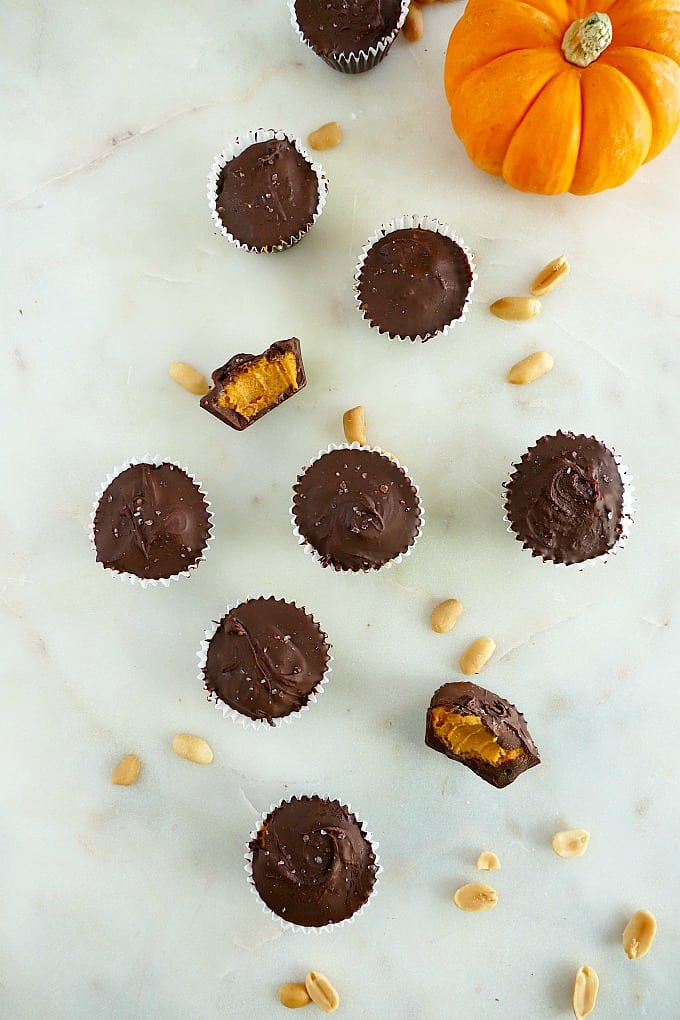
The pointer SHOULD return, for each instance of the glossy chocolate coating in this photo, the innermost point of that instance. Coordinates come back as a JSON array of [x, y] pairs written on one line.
[[499, 718], [266, 658], [312, 864], [414, 282], [565, 499], [341, 27], [267, 194], [151, 521], [357, 508], [224, 375]]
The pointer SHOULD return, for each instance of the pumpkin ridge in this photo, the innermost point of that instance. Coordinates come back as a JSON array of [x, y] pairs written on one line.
[[507, 169]]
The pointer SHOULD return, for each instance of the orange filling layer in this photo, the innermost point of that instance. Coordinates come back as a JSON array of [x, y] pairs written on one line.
[[260, 384], [467, 737]]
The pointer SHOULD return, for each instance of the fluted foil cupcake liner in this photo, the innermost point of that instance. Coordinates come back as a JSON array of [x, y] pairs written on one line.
[[362, 60], [309, 549], [627, 514], [312, 929], [410, 222], [238, 717], [239, 144], [151, 582]]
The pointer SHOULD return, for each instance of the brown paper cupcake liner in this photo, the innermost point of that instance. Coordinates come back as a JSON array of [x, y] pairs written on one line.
[[627, 515], [362, 60], [312, 929], [239, 717], [151, 582], [410, 222], [309, 549], [239, 144]]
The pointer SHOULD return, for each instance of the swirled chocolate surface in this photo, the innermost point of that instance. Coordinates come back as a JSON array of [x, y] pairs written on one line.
[[414, 282], [357, 508], [266, 658], [481, 730], [565, 499], [312, 863], [151, 521], [267, 194], [335, 27]]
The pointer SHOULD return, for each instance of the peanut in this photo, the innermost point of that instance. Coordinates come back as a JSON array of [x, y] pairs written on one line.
[[413, 23], [638, 934], [192, 748], [530, 368], [586, 985], [189, 378], [325, 137], [487, 861], [477, 655], [445, 616], [516, 309], [293, 995], [475, 896], [321, 991], [550, 276], [354, 424], [126, 771], [570, 842]]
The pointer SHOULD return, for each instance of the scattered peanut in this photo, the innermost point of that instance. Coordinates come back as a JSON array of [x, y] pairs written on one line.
[[354, 424], [321, 991], [570, 842], [475, 896], [487, 861], [638, 934], [293, 995], [586, 985], [477, 655], [413, 24], [516, 309], [550, 276], [445, 616], [326, 137], [126, 771], [189, 378], [192, 748], [531, 368]]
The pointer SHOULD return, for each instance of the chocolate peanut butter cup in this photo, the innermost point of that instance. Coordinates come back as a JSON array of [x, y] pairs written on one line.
[[265, 192], [248, 386], [414, 279], [312, 863], [151, 522], [569, 500], [481, 730], [264, 662], [349, 35], [355, 508]]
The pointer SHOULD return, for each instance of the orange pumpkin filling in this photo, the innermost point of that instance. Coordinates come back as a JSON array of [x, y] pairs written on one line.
[[467, 737], [259, 385]]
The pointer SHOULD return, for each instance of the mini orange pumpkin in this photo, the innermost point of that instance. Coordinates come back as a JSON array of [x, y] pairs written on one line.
[[553, 96]]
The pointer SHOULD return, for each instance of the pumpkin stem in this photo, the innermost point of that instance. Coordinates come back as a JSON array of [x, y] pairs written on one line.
[[587, 38]]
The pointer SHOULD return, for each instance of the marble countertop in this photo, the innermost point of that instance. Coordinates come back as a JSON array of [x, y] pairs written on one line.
[[132, 902]]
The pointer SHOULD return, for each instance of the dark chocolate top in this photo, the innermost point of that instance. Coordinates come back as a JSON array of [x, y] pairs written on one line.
[[223, 376], [151, 521], [357, 508], [312, 863], [565, 499], [266, 658], [334, 27], [414, 282], [499, 718], [267, 194]]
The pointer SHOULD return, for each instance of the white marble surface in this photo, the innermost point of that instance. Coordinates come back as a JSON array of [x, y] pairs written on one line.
[[131, 903]]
